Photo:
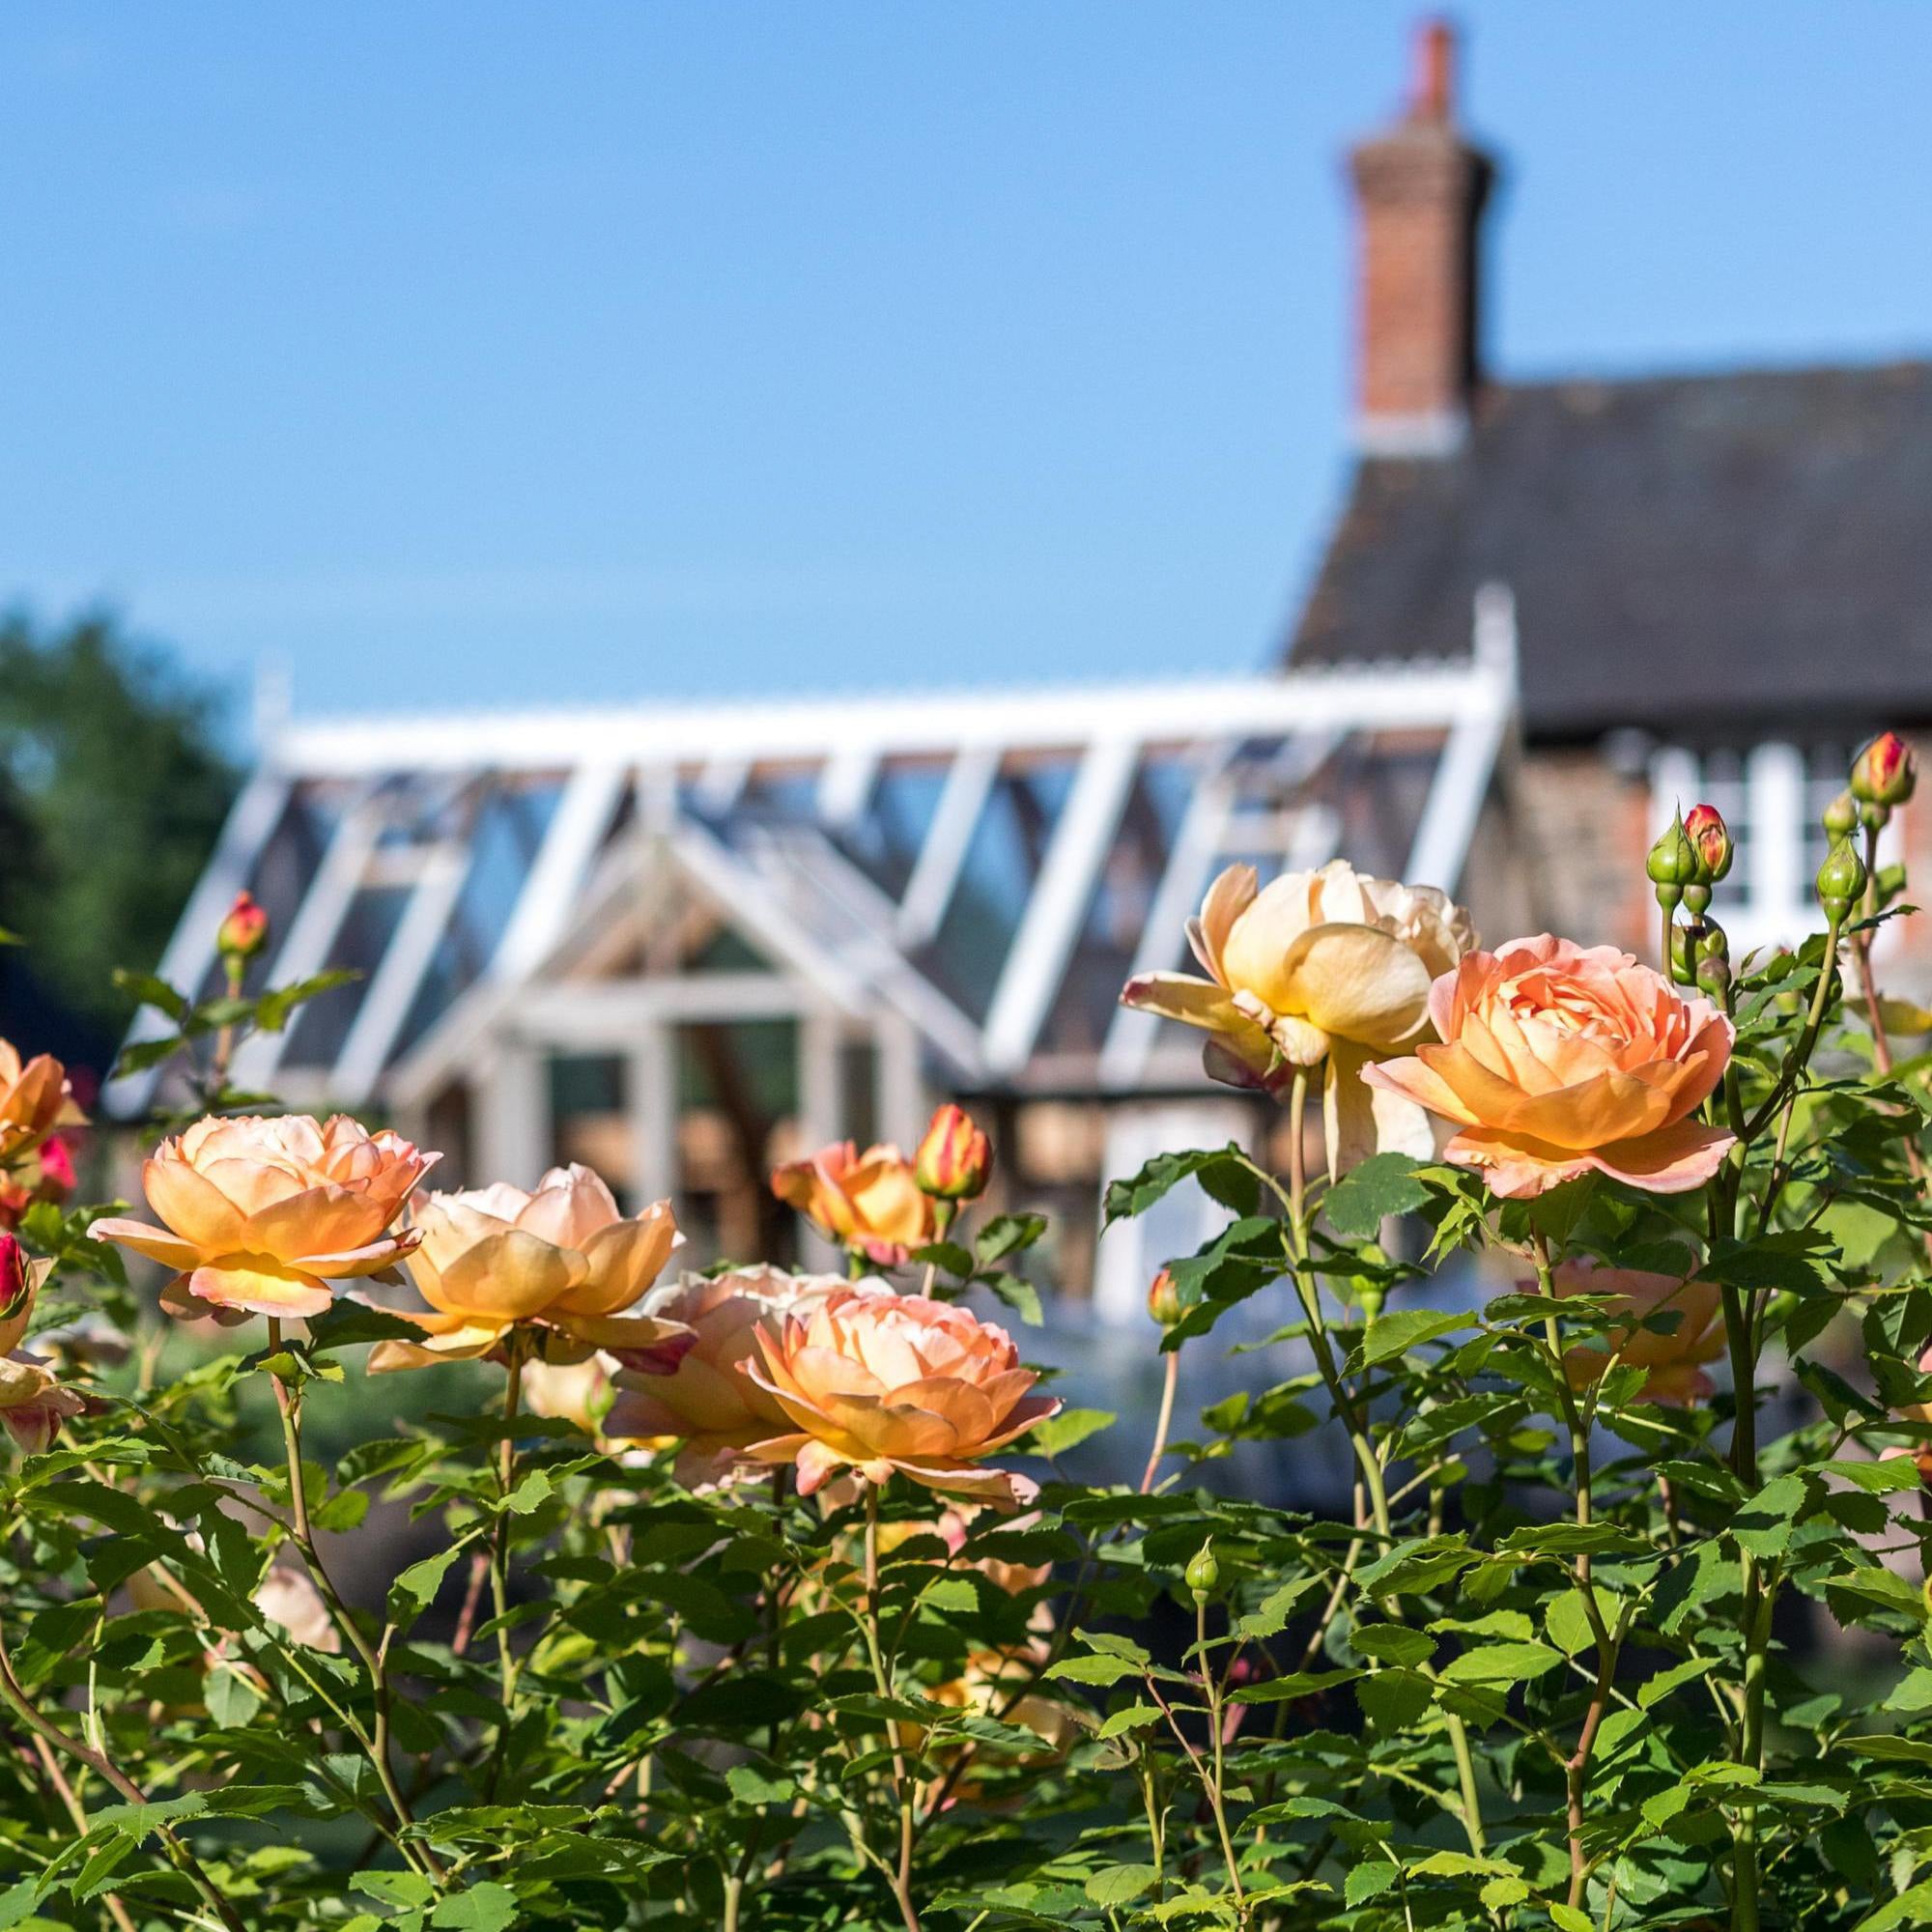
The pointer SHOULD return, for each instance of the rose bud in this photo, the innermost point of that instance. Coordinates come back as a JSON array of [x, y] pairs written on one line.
[[954, 1160], [56, 1181], [16, 1292], [1842, 816], [1672, 863], [244, 932], [1711, 840], [1164, 1300], [1841, 879], [1884, 772], [1203, 1572]]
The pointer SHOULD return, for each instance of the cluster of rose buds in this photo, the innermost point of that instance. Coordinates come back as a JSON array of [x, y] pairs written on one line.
[[1691, 857], [1882, 777]]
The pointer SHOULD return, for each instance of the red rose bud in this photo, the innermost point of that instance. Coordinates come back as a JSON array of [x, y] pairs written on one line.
[[954, 1160], [56, 1180], [1164, 1300], [1711, 840], [244, 931], [16, 1281], [1884, 772]]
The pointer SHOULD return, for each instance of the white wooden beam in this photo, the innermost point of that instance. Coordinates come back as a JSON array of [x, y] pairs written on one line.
[[1046, 716], [514, 1135], [556, 875], [650, 1098], [312, 933], [948, 838], [604, 1015], [1058, 904], [1130, 1034], [405, 959], [845, 784]]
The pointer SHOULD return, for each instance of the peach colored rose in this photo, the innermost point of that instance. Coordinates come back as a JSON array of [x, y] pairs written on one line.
[[575, 1392], [263, 1214], [896, 1382], [32, 1406], [868, 1204], [1675, 1361], [35, 1099], [1328, 968], [1557, 1060], [694, 1386], [563, 1259]]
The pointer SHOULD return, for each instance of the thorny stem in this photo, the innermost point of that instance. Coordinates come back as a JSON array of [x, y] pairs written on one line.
[[500, 1543], [1215, 1781], [1576, 1767], [1355, 1419], [1162, 1422], [76, 1810], [903, 1785], [174, 1848], [375, 1658]]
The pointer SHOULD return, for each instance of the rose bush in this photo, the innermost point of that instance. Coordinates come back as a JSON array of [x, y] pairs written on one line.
[[704, 1602]]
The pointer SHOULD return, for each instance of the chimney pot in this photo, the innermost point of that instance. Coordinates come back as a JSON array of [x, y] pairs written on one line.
[[1420, 191]]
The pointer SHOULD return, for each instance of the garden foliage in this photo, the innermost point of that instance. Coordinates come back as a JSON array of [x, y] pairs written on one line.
[[727, 1603]]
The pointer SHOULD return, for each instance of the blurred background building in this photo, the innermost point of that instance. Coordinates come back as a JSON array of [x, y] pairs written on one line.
[[684, 942]]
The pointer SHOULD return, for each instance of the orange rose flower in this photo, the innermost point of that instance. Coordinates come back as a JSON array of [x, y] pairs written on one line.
[[1675, 1361], [694, 1386], [1557, 1060], [263, 1214], [867, 1202], [35, 1099], [563, 1259], [896, 1382], [1326, 968]]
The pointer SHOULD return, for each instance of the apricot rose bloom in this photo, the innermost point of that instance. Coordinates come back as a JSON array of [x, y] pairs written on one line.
[[262, 1215], [1558, 1060], [35, 1099], [32, 1404], [1675, 1361], [563, 1259], [885, 1382], [694, 1385], [1329, 966], [867, 1202]]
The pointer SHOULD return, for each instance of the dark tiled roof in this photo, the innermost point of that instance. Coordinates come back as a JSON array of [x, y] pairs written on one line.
[[1687, 554]]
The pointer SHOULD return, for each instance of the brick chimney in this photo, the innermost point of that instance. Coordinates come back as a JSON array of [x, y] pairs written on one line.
[[1420, 191]]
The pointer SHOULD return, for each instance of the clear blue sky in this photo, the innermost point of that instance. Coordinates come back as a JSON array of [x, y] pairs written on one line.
[[469, 354]]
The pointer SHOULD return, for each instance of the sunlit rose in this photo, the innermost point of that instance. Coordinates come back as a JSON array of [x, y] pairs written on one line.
[[35, 1099], [1003, 1684], [1558, 1060], [263, 1214], [574, 1392], [288, 1598], [1675, 1361], [562, 1262], [868, 1203], [33, 1404], [885, 1382], [694, 1386], [1328, 968]]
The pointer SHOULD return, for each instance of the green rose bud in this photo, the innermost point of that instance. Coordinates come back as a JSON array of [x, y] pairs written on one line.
[[1672, 863], [1842, 816], [1841, 879], [1203, 1573]]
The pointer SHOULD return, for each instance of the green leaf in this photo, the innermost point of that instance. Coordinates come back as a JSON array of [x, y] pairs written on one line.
[[1060, 1432], [484, 1908], [1101, 1670], [1007, 1235], [152, 991], [1392, 1643], [1501, 1664], [750, 1787], [1567, 1918], [1017, 1293], [1118, 1885], [1913, 1907], [1763, 1526], [1227, 1167], [1298, 1684], [1381, 1186], [1271, 1616], [273, 1010], [1407, 1328], [1368, 1880], [415, 1589]]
